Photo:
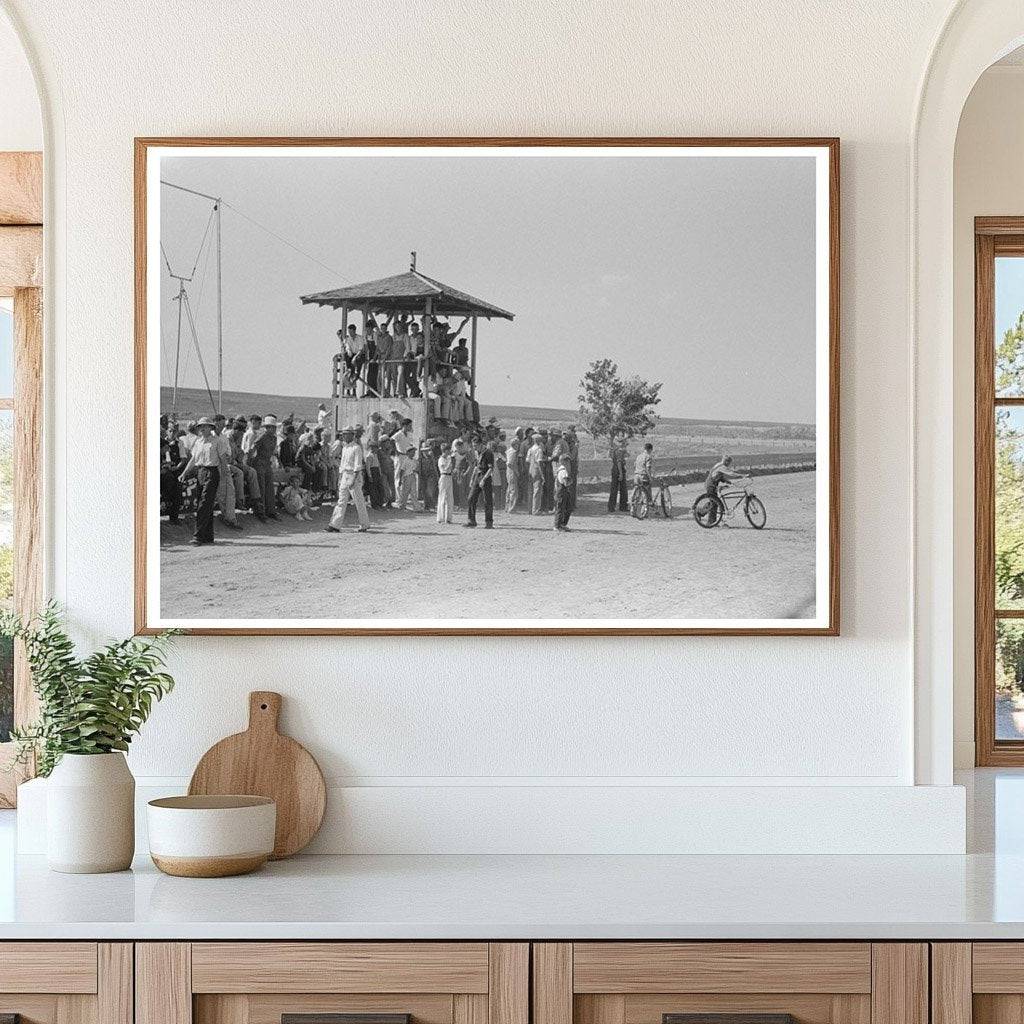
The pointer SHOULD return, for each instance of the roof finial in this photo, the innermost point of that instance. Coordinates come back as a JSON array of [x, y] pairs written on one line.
[[412, 260]]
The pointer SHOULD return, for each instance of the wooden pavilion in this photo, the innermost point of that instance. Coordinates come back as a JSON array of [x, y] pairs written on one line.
[[412, 294]]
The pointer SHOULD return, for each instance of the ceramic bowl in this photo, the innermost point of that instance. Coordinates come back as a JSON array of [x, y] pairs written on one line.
[[211, 836]]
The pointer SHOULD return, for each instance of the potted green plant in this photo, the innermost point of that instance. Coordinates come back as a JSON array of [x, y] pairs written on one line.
[[89, 710]]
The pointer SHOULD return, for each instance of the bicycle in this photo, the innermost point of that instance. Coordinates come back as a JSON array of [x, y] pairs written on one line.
[[640, 503], [711, 509]]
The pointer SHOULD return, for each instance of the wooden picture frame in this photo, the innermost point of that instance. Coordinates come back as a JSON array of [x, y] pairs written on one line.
[[21, 278], [826, 621], [993, 237]]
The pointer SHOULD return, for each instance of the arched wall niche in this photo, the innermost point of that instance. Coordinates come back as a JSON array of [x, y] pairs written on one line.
[[975, 34]]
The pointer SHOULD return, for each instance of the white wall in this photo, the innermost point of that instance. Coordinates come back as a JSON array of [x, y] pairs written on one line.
[[988, 181], [21, 125], [443, 714]]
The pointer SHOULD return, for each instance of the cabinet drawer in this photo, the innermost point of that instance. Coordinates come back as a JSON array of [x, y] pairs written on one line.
[[48, 967], [630, 967], [749, 982], [340, 967], [262, 982]]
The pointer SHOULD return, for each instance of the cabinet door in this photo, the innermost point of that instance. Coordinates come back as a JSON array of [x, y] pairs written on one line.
[[981, 982], [332, 983], [66, 982], [738, 982]]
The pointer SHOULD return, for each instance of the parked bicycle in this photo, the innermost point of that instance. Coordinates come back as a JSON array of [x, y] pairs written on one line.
[[640, 504], [711, 509]]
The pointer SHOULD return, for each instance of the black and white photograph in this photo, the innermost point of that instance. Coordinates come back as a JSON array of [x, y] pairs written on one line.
[[478, 387]]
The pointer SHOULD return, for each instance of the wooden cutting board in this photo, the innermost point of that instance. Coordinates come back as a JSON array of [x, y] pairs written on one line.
[[262, 762]]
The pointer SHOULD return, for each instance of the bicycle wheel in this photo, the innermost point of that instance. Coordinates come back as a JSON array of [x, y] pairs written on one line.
[[707, 511], [638, 504], [634, 502], [754, 510], [666, 502]]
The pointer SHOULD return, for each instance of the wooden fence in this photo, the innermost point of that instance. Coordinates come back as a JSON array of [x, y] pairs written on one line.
[[595, 474]]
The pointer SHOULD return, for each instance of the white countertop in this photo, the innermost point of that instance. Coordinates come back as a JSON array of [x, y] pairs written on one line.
[[531, 897], [978, 896]]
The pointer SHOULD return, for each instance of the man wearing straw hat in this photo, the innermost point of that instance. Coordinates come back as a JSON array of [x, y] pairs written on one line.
[[262, 453], [350, 484], [205, 459]]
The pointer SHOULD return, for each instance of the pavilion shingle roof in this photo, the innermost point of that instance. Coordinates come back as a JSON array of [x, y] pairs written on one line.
[[407, 293]]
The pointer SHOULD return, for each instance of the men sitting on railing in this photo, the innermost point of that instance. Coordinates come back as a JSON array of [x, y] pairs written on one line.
[[383, 364]]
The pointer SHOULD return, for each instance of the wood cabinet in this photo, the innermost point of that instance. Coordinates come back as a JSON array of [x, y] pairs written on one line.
[[260, 982], [496, 983], [979, 982], [815, 982], [66, 982]]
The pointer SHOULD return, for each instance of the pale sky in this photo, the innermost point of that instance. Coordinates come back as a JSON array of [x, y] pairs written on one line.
[[695, 271]]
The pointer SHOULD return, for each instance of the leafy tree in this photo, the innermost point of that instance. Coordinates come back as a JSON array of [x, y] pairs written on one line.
[[1010, 360], [1009, 655], [1009, 511], [1009, 467], [610, 403]]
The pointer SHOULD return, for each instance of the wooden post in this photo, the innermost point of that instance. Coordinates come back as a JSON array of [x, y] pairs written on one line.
[[428, 324], [220, 318], [472, 362], [341, 349]]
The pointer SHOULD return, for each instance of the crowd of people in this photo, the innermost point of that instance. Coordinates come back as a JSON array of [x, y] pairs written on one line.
[[269, 468], [390, 360], [261, 466]]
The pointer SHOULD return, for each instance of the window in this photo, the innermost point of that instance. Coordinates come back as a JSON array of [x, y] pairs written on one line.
[[21, 410], [999, 491]]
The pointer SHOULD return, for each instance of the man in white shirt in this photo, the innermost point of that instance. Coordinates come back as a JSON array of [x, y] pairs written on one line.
[[355, 350], [406, 465], [231, 479], [205, 461], [249, 437], [351, 465], [535, 467], [403, 438], [388, 377]]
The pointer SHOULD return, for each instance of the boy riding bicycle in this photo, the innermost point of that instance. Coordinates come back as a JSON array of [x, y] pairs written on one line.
[[720, 473]]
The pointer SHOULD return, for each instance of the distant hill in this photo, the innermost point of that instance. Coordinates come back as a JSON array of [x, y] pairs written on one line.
[[194, 402]]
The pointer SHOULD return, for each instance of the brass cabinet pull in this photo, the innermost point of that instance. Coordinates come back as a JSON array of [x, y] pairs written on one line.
[[339, 1018], [728, 1018]]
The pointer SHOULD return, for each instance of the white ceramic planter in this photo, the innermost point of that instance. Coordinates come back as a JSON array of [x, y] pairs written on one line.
[[90, 814]]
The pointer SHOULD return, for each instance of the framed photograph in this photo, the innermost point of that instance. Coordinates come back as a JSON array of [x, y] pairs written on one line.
[[487, 386]]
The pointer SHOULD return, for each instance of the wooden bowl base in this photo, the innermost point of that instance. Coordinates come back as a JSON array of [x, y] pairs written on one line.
[[209, 867]]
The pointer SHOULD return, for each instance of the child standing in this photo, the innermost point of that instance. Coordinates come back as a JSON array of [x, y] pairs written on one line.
[[445, 488], [512, 473], [563, 494], [405, 478]]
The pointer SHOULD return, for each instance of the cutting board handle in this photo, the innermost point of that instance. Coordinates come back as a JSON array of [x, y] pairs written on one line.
[[264, 710]]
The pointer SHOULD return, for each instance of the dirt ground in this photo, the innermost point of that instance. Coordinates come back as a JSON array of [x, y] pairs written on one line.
[[410, 566]]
